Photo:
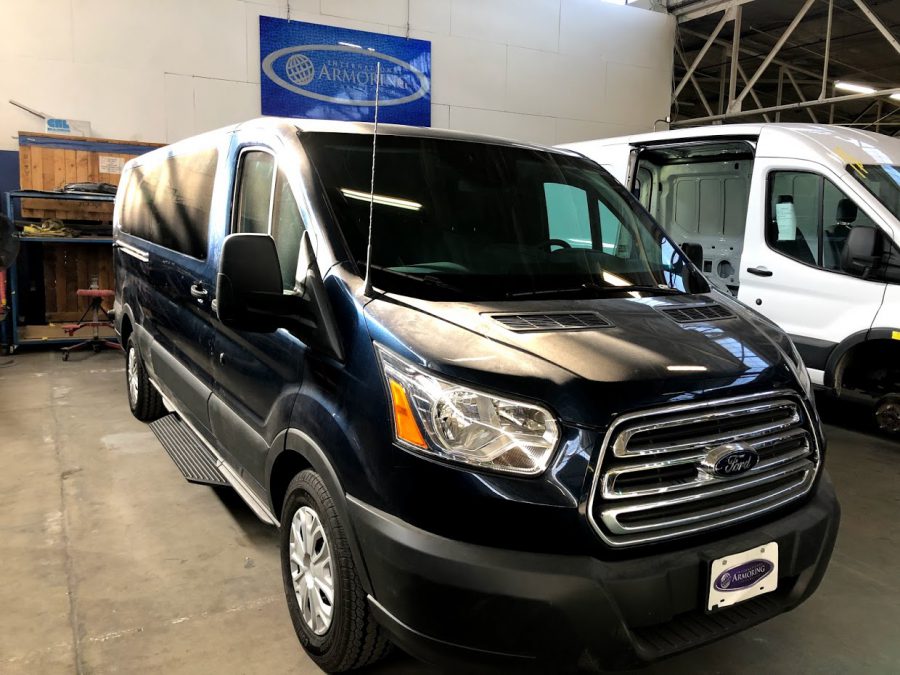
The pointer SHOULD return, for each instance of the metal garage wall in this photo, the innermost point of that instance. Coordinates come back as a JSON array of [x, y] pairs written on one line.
[[550, 71]]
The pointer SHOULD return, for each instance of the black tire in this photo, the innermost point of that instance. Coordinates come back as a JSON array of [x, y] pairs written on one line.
[[353, 639], [145, 402]]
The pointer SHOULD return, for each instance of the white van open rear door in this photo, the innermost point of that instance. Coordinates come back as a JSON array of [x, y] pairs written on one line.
[[798, 219]]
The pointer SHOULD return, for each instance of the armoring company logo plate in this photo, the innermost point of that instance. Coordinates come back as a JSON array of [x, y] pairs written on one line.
[[324, 72], [345, 75], [743, 576]]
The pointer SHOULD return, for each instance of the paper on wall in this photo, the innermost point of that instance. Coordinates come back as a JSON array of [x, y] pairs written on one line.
[[111, 164]]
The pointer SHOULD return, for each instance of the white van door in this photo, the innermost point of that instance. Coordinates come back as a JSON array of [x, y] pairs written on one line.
[[797, 224]]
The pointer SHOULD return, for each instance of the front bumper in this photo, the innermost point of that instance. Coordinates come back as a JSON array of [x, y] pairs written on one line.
[[444, 600]]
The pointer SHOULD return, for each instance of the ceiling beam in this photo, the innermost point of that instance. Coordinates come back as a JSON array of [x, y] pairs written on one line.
[[697, 10], [802, 105]]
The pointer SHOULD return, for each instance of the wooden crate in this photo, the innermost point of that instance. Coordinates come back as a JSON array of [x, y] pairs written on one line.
[[68, 267], [50, 161]]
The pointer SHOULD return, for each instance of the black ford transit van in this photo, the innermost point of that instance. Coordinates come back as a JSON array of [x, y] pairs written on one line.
[[534, 439]]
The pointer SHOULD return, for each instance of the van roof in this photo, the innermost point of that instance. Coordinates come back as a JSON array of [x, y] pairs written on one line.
[[290, 125], [844, 145]]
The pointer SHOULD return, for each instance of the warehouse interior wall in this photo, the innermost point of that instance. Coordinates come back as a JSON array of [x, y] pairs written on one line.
[[548, 71]]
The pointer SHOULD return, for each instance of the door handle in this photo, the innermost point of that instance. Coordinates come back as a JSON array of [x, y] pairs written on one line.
[[198, 291], [760, 271]]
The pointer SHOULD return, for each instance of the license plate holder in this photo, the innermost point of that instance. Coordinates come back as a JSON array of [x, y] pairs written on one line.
[[741, 576]]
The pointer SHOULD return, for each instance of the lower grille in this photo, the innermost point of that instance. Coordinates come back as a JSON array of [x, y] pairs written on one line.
[[657, 478]]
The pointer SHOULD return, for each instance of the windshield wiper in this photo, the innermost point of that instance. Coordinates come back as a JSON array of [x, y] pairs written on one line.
[[590, 286], [428, 279]]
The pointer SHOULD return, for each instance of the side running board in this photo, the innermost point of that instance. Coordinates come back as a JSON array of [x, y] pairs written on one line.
[[193, 459]]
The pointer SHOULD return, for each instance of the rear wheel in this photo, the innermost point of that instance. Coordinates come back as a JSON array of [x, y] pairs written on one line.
[[143, 399], [327, 603]]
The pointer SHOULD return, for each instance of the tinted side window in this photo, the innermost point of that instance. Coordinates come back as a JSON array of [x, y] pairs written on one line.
[[810, 218], [255, 195], [287, 229], [168, 202], [266, 205], [567, 214]]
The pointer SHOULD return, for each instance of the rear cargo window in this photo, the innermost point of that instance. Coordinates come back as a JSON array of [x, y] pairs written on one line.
[[168, 202]]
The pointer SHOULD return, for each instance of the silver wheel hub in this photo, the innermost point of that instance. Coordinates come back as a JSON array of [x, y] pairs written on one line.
[[132, 366], [312, 572]]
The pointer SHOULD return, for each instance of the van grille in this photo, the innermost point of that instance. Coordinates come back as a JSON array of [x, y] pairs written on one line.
[[652, 487]]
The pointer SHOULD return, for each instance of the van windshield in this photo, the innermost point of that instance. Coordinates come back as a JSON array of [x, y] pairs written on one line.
[[882, 180], [489, 221]]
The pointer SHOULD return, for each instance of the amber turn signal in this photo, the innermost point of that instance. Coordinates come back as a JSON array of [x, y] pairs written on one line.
[[404, 420]]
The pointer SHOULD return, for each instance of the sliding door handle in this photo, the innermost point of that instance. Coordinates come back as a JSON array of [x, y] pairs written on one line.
[[760, 271]]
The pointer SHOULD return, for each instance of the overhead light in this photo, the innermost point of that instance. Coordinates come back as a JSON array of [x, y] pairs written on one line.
[[896, 97], [855, 88], [381, 199], [686, 369]]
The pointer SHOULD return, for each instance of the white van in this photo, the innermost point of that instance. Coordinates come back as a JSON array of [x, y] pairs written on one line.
[[800, 222]]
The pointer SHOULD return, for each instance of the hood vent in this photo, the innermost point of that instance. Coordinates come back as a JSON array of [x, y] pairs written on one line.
[[551, 321], [697, 313]]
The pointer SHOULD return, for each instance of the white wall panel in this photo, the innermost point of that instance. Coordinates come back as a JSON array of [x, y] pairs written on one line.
[[534, 128], [385, 12], [569, 131], [158, 70], [552, 84], [534, 23], [430, 15], [591, 28], [440, 116], [40, 29], [468, 72]]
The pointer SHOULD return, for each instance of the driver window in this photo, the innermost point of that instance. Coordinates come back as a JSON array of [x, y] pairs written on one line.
[[264, 208], [567, 214], [810, 218]]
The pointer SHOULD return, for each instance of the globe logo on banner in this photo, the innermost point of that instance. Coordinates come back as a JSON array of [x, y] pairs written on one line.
[[300, 70], [309, 70]]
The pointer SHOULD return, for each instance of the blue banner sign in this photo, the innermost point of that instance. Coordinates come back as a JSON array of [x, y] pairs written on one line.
[[325, 72]]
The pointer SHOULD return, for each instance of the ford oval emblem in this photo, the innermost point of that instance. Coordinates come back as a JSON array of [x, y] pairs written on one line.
[[730, 459], [743, 576]]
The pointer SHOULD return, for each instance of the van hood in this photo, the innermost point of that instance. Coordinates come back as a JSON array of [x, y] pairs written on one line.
[[643, 357]]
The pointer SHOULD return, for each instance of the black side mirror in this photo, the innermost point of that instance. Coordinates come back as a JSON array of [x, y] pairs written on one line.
[[248, 286], [862, 250], [249, 293], [694, 252]]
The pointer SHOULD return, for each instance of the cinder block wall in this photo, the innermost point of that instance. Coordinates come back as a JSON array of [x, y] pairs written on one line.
[[549, 71]]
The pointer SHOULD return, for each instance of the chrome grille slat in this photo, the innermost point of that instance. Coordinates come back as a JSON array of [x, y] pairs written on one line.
[[620, 448], [609, 480], [650, 487]]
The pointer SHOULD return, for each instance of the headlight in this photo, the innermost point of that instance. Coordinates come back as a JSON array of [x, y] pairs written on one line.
[[454, 422]]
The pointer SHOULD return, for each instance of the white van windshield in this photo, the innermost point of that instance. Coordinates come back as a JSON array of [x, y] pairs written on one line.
[[882, 180], [481, 220]]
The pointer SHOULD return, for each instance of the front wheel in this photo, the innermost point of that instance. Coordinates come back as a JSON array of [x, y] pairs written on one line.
[[327, 603]]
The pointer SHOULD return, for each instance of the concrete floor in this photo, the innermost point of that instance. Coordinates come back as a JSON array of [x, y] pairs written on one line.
[[111, 562]]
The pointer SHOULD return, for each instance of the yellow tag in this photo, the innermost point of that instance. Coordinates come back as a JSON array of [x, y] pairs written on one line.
[[895, 335]]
